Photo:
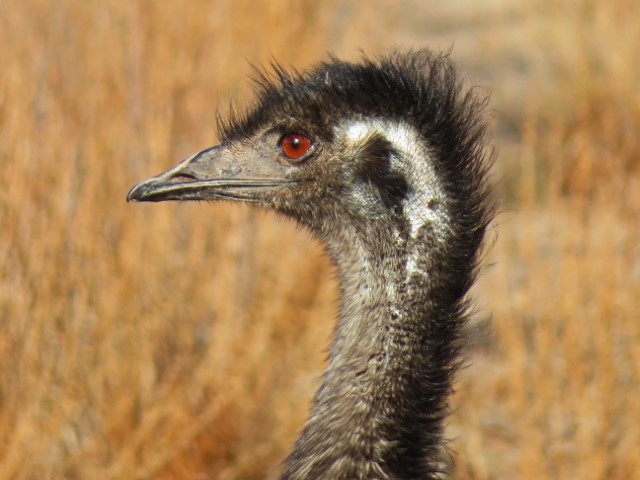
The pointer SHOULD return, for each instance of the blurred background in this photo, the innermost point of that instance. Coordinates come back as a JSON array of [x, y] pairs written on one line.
[[185, 341]]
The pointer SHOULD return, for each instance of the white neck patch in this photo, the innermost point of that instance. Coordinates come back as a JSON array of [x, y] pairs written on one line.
[[426, 202]]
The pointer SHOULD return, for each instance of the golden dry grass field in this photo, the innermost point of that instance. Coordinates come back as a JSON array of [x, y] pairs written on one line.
[[185, 341]]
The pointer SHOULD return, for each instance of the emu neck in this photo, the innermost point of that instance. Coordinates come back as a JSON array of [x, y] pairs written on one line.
[[380, 409]]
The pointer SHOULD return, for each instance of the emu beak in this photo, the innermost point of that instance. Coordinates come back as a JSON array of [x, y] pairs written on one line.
[[214, 173]]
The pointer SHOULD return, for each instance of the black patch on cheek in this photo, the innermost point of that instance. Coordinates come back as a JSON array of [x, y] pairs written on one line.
[[374, 167]]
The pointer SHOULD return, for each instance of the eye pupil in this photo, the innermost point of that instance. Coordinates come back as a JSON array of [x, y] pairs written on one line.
[[294, 146]]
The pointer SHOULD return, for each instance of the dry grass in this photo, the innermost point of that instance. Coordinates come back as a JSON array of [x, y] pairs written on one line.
[[180, 341]]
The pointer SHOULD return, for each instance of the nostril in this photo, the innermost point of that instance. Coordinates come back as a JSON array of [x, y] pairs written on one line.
[[181, 177]]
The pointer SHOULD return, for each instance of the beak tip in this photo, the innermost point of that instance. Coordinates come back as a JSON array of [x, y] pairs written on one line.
[[135, 194]]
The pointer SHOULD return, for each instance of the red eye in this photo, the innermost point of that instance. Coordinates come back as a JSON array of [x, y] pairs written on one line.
[[295, 146]]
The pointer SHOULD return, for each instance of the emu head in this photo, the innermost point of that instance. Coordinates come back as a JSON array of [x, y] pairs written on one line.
[[313, 173], [380, 147]]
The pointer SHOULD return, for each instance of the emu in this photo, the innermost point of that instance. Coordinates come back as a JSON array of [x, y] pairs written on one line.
[[385, 161]]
